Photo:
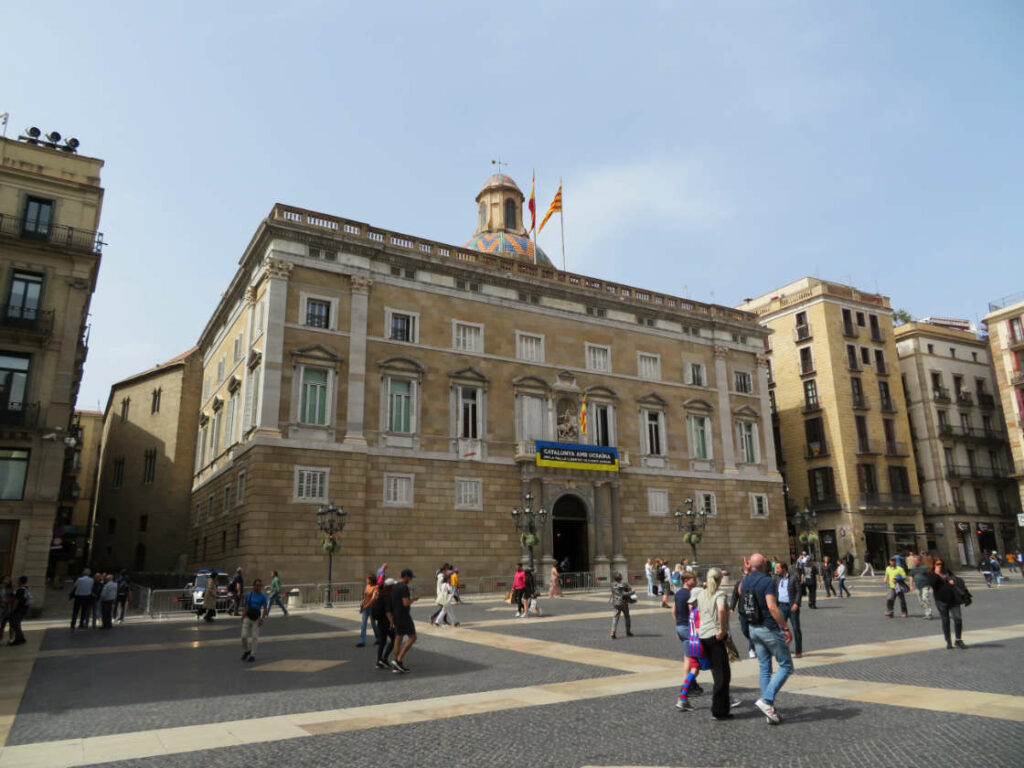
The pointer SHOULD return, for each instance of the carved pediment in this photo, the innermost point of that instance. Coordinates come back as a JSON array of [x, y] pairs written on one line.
[[698, 405], [531, 382], [653, 398], [399, 364], [316, 352], [565, 381], [469, 373], [601, 393], [746, 412]]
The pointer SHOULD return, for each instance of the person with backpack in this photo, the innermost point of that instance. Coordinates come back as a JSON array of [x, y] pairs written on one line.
[[949, 593], [734, 600], [769, 633], [124, 594], [254, 610], [22, 602], [664, 580], [896, 579], [809, 578], [621, 598]]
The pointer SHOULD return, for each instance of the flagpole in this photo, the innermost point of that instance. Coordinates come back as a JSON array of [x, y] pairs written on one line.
[[561, 219], [533, 213]]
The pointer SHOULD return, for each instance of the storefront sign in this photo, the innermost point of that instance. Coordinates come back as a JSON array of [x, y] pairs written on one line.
[[597, 458], [1020, 519]]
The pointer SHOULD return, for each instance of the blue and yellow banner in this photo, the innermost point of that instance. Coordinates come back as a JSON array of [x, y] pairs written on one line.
[[597, 458]]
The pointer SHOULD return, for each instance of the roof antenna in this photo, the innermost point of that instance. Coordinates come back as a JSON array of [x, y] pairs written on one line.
[[499, 162]]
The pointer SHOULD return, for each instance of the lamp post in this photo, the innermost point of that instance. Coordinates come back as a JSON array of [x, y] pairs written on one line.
[[331, 521], [693, 522], [523, 522], [807, 519]]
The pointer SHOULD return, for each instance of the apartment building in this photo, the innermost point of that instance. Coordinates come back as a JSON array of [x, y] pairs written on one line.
[[1005, 324], [50, 200], [421, 386], [141, 517], [959, 438], [841, 420], [69, 549]]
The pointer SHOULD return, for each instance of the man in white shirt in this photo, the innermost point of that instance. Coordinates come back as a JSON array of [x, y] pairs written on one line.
[[81, 593]]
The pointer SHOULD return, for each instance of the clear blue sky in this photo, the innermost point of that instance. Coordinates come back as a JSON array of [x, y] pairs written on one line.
[[715, 150]]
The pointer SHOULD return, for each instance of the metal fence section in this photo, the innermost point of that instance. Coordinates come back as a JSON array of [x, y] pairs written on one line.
[[576, 581]]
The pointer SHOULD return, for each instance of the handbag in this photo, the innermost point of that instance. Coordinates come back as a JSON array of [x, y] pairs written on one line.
[[902, 588], [508, 596], [731, 650]]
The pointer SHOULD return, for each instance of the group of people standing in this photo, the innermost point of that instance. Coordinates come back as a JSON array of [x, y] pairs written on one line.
[[99, 597]]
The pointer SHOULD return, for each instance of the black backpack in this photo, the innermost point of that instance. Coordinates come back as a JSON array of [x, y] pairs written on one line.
[[750, 607]]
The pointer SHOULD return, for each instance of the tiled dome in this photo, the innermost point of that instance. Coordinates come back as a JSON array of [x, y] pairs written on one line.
[[499, 180], [507, 244]]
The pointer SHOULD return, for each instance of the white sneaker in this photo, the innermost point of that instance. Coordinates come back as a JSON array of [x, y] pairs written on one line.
[[751, 654], [769, 711]]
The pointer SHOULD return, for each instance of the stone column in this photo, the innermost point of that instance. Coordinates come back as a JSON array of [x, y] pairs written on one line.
[[276, 272], [356, 408], [602, 533], [724, 412], [618, 559], [767, 434]]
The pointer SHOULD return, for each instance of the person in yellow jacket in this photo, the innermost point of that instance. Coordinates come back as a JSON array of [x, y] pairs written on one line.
[[896, 579]]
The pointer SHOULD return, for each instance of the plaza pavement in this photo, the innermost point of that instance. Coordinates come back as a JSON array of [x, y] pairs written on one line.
[[551, 691]]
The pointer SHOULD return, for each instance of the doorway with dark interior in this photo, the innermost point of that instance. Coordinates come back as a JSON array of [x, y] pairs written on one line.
[[569, 529]]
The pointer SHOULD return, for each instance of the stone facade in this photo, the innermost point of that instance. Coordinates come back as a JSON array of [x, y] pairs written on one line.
[[842, 422], [49, 258], [145, 468], [960, 445], [77, 497], [1005, 324], [407, 381]]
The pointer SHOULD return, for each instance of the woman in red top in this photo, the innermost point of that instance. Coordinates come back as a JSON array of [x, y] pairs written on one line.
[[518, 587]]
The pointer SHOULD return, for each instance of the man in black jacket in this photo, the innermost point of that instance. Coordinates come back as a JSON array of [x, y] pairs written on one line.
[[788, 588], [809, 578]]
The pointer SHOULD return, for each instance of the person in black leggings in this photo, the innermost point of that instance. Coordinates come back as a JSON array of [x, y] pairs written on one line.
[[940, 579], [381, 613]]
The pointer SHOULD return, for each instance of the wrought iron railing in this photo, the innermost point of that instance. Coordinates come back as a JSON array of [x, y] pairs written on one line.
[[890, 500], [19, 414], [74, 238], [28, 319]]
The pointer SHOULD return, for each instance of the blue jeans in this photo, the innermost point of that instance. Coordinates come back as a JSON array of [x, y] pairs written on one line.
[[769, 643], [373, 624], [276, 600], [650, 584], [793, 617], [842, 586]]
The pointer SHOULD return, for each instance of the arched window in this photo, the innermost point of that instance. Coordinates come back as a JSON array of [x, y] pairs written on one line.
[[510, 213]]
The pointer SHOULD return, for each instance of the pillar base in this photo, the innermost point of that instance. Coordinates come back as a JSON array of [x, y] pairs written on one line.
[[602, 570], [620, 564]]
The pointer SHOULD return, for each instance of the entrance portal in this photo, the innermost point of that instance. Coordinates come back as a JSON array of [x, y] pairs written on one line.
[[877, 545], [569, 527]]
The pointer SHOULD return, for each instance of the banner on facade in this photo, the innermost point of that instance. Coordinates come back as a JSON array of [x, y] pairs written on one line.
[[597, 458]]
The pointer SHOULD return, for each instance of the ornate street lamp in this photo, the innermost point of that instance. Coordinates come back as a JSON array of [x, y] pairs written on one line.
[[692, 523], [523, 522], [807, 521], [331, 521]]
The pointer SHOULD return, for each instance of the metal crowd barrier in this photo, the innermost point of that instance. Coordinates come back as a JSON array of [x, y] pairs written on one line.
[[171, 602]]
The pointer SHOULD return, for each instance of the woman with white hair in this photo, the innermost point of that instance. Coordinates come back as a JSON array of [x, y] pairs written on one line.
[[714, 627]]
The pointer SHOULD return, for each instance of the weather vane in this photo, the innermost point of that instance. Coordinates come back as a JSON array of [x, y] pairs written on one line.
[[499, 162]]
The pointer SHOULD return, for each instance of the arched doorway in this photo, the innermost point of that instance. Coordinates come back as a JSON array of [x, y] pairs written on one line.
[[569, 530]]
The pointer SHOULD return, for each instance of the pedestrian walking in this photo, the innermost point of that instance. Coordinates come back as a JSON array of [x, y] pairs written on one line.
[[848, 562], [447, 596], [401, 610], [108, 599], [788, 591], [6, 605], [664, 582], [621, 592], [869, 569], [649, 573], [382, 615], [518, 585], [809, 578], [210, 597], [769, 632], [950, 594], [828, 572], [94, 605], [919, 579], [275, 593], [734, 601], [439, 577], [687, 617], [236, 590], [19, 609], [554, 582], [714, 628], [124, 595], [896, 579], [366, 609], [841, 572], [530, 594], [81, 593], [456, 582], [255, 607]]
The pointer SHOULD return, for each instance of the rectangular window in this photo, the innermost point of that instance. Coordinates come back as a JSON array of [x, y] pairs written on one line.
[[13, 470], [743, 381], [705, 502], [318, 313], [759, 505], [125, 405], [154, 406], [865, 355], [399, 406], [851, 357], [398, 490], [143, 523], [602, 423], [313, 406], [252, 398], [746, 433], [884, 396], [206, 388], [700, 436], [240, 492], [648, 366], [118, 471], [867, 479], [598, 358], [822, 485], [229, 420], [469, 493], [222, 366], [529, 347], [469, 413], [880, 362], [654, 444], [531, 416], [401, 326], [310, 484], [226, 499], [695, 374], [23, 302], [149, 466], [38, 218], [467, 337], [657, 502], [238, 535], [811, 401], [237, 349], [13, 380], [857, 388], [215, 436], [806, 360]]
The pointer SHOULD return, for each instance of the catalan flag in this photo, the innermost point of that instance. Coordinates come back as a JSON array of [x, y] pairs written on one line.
[[533, 202], [583, 417], [555, 207]]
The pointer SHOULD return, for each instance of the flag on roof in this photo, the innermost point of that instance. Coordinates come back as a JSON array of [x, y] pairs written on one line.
[[555, 207]]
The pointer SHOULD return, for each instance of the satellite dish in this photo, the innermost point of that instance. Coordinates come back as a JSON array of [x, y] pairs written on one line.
[[32, 132], [53, 136]]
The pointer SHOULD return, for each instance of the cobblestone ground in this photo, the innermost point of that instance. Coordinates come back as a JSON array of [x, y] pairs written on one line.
[[500, 691]]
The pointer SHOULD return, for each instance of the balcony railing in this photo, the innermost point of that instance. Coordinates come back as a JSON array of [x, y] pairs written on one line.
[[888, 406], [861, 403], [890, 500], [963, 397], [802, 333], [974, 433], [56, 234], [868, 447], [850, 330], [26, 319], [876, 335], [1015, 343], [811, 407], [881, 368], [19, 414], [962, 472], [852, 364], [964, 509], [896, 448], [823, 503], [806, 368], [986, 401], [940, 395], [816, 449]]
